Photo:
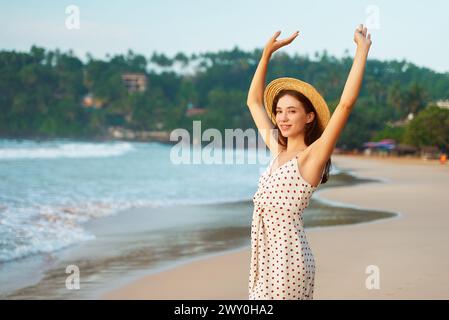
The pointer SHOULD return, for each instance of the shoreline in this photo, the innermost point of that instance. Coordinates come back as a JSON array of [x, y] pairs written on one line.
[[177, 282], [106, 138], [141, 253]]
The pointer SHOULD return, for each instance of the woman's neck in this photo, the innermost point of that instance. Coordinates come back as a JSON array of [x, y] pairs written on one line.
[[295, 144]]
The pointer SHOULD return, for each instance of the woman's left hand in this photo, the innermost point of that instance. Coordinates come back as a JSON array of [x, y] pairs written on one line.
[[362, 38]]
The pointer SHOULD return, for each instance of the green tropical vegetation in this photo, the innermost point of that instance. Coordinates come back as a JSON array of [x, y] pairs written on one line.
[[41, 94]]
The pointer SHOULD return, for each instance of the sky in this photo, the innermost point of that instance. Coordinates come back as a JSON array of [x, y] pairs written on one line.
[[417, 31]]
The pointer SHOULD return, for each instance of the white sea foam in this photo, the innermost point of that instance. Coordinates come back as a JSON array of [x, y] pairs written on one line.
[[66, 150]]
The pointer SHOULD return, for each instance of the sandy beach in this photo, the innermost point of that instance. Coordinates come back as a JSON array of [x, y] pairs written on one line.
[[409, 251]]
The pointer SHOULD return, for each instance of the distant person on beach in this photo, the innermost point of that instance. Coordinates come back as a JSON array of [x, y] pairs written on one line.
[[295, 123]]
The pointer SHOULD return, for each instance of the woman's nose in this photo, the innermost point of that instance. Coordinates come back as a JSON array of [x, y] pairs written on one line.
[[284, 116]]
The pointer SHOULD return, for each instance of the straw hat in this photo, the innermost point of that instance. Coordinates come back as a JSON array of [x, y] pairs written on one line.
[[275, 86]]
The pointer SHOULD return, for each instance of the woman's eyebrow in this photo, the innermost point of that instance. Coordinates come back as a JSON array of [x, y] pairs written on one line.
[[277, 108]]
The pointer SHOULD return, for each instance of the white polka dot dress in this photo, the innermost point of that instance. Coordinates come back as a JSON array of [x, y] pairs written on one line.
[[282, 264]]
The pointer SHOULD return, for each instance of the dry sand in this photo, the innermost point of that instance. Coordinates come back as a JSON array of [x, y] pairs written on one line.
[[411, 251]]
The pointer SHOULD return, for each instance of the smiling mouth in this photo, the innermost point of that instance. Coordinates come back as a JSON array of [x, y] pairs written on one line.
[[285, 127]]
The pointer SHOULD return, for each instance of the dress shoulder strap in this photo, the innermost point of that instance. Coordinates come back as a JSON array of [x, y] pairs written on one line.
[[272, 160], [277, 155]]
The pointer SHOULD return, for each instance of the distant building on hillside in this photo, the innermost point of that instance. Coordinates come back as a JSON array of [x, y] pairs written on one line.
[[89, 101], [135, 82], [444, 104], [193, 111], [402, 122]]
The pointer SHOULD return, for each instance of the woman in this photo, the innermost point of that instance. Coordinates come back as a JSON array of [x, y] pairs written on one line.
[[282, 264]]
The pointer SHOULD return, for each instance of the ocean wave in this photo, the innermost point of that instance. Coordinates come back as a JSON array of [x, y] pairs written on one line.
[[65, 150], [48, 228]]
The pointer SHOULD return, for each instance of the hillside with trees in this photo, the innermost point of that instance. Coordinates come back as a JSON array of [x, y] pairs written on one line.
[[42, 94]]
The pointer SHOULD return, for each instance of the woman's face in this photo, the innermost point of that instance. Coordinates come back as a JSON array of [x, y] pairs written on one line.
[[290, 116]]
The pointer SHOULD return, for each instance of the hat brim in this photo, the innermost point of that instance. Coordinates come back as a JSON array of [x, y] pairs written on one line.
[[318, 102]]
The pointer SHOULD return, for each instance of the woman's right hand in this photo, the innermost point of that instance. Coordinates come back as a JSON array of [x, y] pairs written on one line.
[[273, 44]]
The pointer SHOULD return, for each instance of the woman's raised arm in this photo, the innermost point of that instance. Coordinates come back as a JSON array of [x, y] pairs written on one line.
[[355, 77], [257, 87], [323, 147]]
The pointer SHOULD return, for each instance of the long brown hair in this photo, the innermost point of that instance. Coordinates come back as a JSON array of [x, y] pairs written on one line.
[[312, 130]]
